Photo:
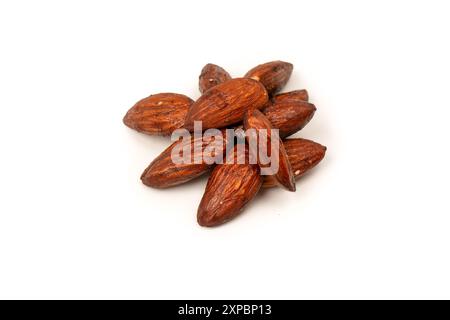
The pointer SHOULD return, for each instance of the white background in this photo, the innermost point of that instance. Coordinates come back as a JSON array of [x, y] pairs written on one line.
[[371, 221]]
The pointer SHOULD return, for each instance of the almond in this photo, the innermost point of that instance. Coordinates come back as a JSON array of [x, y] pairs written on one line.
[[303, 155], [254, 119], [289, 116], [273, 75], [211, 76], [291, 95], [230, 187], [226, 103], [158, 114], [164, 173]]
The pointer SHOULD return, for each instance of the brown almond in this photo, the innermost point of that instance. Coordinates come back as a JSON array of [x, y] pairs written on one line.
[[158, 114], [303, 155], [226, 103], [230, 187], [291, 95], [289, 116], [164, 173], [273, 75], [211, 76], [255, 119]]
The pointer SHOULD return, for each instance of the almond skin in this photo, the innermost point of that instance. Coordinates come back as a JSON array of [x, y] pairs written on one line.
[[164, 173], [273, 75], [158, 114], [230, 187], [303, 155], [255, 119], [289, 116], [226, 103], [211, 76], [291, 95]]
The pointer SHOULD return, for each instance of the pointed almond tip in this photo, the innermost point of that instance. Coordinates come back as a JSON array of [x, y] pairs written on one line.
[[319, 146], [280, 62], [289, 185], [147, 178], [306, 95], [146, 181], [289, 65], [204, 221], [206, 68], [292, 187], [144, 174], [126, 120], [129, 119]]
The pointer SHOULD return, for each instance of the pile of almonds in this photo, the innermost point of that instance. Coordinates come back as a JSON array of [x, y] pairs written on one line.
[[251, 102]]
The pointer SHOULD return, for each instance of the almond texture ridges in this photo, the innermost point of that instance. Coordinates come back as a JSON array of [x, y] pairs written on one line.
[[291, 95], [289, 116], [158, 114], [255, 119], [273, 75], [211, 76], [163, 172], [303, 155], [226, 103], [230, 187]]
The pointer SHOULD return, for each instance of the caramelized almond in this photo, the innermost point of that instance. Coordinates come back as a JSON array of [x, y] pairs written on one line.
[[273, 75], [211, 76], [303, 155], [254, 119], [158, 114], [230, 187]]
